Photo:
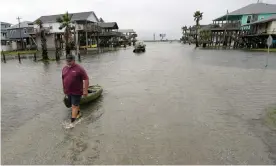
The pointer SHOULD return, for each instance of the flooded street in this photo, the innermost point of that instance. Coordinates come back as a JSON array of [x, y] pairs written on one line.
[[170, 105]]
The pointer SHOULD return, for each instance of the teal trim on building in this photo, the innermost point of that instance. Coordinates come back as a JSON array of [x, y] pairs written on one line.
[[245, 17], [264, 16], [260, 16]]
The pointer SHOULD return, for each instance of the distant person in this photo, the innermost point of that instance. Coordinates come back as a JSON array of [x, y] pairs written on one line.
[[75, 84]]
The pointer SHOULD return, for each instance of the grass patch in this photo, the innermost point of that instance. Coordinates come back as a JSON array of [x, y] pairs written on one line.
[[271, 117], [263, 49], [244, 49], [20, 52]]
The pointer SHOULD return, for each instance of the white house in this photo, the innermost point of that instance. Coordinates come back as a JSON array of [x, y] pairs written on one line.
[[19, 36], [79, 20]]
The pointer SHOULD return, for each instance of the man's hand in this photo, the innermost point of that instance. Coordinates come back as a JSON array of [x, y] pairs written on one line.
[[85, 92]]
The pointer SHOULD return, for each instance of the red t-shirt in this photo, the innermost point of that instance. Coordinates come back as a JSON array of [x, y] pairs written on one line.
[[72, 78]]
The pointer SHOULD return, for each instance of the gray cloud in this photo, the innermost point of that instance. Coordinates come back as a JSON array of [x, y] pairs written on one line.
[[145, 16]]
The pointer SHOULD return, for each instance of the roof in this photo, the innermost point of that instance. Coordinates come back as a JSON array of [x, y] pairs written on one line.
[[108, 25], [23, 24], [76, 17], [268, 19], [126, 31], [255, 8], [101, 20], [5, 23]]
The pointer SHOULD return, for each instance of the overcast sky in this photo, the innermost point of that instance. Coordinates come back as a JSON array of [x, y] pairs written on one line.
[[144, 16]]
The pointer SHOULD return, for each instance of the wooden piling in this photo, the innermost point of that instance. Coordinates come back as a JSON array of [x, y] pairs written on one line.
[[35, 56], [19, 58], [4, 57], [217, 38], [230, 39]]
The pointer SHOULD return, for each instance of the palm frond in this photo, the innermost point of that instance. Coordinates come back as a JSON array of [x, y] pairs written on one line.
[[72, 27], [64, 17], [38, 22], [59, 20], [62, 26]]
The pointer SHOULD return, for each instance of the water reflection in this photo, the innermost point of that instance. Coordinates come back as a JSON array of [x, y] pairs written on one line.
[[46, 65]]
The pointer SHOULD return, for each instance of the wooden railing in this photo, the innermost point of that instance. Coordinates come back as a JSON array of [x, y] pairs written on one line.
[[111, 33], [231, 25], [37, 30], [92, 27], [263, 31]]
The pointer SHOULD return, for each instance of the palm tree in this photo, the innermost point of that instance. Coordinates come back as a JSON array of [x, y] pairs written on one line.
[[65, 21], [204, 37], [43, 40], [197, 16], [184, 32]]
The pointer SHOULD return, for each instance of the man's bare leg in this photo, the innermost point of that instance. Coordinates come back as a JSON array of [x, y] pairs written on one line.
[[78, 112], [74, 112]]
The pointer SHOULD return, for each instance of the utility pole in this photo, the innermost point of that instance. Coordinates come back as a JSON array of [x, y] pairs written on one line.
[[154, 36], [20, 32], [225, 29]]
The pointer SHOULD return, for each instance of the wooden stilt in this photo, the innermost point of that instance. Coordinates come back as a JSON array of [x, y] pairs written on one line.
[[4, 56], [34, 56], [19, 58]]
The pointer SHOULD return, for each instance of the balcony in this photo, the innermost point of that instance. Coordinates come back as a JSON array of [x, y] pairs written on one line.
[[33, 31], [227, 26], [92, 27], [235, 25], [111, 33], [264, 31]]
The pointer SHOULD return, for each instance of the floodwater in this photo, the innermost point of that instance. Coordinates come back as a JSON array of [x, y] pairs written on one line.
[[170, 105]]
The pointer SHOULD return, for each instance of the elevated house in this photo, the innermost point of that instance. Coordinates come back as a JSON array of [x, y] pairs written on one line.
[[5, 44], [264, 27], [109, 34], [85, 28], [245, 15], [19, 37], [129, 35], [259, 31], [230, 27]]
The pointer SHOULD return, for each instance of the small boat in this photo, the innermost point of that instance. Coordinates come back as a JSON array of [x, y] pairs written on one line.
[[94, 92], [139, 46]]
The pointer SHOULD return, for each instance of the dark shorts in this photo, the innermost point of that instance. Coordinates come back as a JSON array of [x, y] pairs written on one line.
[[74, 99]]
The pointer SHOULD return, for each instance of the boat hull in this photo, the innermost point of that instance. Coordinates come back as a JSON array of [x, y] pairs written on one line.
[[94, 92]]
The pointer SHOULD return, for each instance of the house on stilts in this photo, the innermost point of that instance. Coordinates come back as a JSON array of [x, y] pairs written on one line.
[[89, 32], [246, 27]]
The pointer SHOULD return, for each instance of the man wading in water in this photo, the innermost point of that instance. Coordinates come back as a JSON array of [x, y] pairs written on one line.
[[75, 84]]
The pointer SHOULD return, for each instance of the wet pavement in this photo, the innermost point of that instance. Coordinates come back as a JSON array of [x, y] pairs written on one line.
[[169, 105]]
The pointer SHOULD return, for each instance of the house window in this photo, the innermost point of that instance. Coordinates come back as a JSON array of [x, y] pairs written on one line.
[[25, 31], [249, 19]]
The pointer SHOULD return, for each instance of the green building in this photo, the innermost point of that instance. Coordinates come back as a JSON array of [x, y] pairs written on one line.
[[240, 18]]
